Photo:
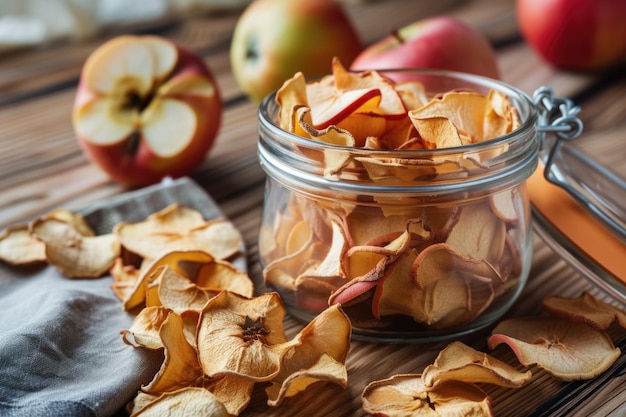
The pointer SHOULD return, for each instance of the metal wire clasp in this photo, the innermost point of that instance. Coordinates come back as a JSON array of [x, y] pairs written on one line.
[[572, 170]]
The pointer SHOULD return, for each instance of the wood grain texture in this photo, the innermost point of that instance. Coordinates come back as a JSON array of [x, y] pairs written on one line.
[[42, 167]]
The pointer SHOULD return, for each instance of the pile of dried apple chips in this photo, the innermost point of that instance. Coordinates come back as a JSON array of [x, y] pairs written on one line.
[[395, 260], [219, 340], [570, 343]]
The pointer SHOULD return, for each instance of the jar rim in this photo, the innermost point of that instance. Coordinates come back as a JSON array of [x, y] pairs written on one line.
[[276, 145], [526, 123]]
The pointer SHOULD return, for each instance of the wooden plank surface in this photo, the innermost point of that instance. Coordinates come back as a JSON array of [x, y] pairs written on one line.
[[42, 167]]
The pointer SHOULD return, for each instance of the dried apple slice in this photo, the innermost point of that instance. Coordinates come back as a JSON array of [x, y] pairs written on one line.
[[144, 331], [75, 255], [180, 367], [290, 97], [407, 395], [18, 247], [332, 106], [178, 228], [465, 110], [317, 353], [232, 391], [390, 106], [242, 336], [478, 233], [189, 401], [446, 288], [569, 351], [505, 205], [585, 309], [459, 362]]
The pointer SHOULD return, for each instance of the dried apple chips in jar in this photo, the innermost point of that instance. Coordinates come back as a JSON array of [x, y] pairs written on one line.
[[399, 195]]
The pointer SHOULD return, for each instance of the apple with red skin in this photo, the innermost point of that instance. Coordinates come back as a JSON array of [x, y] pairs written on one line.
[[274, 39], [575, 34], [440, 42], [145, 109]]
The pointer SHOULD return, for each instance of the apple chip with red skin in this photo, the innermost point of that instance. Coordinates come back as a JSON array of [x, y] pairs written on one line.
[[567, 350], [585, 309], [407, 395]]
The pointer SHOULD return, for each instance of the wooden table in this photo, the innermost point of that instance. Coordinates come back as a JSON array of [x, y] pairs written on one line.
[[42, 167]]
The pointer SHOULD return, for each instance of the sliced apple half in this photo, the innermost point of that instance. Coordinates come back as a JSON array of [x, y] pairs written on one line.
[[146, 108]]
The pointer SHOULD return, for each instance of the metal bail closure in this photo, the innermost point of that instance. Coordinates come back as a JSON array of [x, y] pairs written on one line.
[[592, 185]]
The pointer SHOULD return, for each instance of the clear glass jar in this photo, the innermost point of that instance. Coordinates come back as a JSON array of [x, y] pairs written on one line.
[[437, 246]]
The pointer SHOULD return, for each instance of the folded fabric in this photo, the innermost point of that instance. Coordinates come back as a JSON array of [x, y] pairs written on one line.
[[61, 353]]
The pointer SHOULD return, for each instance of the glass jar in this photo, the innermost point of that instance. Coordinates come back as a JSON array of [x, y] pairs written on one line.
[[416, 245]]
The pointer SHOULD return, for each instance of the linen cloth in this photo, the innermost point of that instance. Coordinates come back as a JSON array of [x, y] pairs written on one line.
[[61, 352]]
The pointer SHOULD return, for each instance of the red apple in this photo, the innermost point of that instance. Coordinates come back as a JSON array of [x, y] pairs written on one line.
[[436, 43], [274, 39], [575, 34], [146, 108]]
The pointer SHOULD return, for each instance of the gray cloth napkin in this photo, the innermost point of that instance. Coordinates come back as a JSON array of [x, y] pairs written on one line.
[[61, 353]]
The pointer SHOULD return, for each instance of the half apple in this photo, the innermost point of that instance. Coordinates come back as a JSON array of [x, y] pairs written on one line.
[[146, 108]]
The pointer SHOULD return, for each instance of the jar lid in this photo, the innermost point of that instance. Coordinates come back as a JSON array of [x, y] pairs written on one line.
[[578, 200]]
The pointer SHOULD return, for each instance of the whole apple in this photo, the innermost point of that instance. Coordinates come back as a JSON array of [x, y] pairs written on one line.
[[274, 39], [146, 108], [440, 42], [575, 34]]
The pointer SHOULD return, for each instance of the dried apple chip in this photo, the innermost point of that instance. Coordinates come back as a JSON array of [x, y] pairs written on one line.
[[75, 255], [232, 391], [290, 97], [465, 110], [144, 331], [73, 218], [178, 228], [189, 401], [18, 247], [407, 395], [180, 367], [585, 309], [317, 353], [459, 362], [569, 351], [242, 336]]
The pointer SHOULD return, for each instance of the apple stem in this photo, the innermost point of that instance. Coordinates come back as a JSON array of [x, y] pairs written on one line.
[[396, 34]]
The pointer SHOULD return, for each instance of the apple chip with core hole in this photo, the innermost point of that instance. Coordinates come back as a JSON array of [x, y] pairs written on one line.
[[585, 309], [242, 336], [19, 247], [74, 254], [459, 362], [407, 395], [568, 350], [178, 228], [146, 108]]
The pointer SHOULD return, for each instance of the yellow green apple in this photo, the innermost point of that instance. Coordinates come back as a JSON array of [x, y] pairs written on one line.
[[274, 39], [146, 108]]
